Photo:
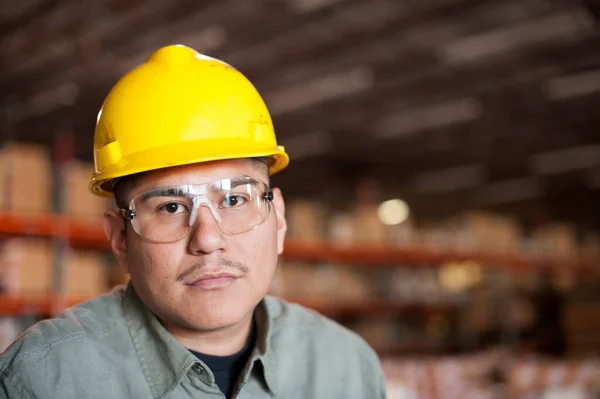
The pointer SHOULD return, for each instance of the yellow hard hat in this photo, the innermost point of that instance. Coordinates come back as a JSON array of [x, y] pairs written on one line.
[[179, 108]]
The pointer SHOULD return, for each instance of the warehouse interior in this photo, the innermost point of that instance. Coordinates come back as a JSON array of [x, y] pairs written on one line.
[[443, 192]]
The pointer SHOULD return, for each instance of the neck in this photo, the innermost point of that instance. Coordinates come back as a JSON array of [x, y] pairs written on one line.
[[219, 342]]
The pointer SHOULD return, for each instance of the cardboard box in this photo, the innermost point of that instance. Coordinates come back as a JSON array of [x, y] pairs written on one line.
[[341, 229], [33, 271], [368, 229], [403, 235], [85, 274], [556, 241], [491, 233], [322, 282], [26, 178], [306, 220], [296, 280], [78, 201]]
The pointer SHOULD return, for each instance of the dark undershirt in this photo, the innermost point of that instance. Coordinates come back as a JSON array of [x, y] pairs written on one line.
[[227, 369]]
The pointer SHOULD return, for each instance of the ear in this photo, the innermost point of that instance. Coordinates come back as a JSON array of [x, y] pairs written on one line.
[[112, 223], [279, 206]]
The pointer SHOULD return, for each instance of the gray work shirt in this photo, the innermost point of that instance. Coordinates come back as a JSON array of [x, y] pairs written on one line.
[[114, 347]]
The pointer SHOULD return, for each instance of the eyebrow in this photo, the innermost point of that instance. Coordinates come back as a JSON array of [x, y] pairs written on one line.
[[182, 189], [238, 181], [165, 192]]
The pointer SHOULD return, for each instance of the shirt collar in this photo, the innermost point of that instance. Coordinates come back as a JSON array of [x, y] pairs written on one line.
[[263, 351], [165, 361]]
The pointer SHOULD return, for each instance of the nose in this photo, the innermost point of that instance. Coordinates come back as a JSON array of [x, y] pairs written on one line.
[[205, 237]]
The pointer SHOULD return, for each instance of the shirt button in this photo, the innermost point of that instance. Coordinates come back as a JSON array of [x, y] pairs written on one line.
[[198, 369]]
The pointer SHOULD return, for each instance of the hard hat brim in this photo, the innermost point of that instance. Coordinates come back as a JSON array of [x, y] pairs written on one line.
[[184, 153]]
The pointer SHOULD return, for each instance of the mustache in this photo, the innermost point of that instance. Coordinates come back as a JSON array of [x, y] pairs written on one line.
[[226, 263]]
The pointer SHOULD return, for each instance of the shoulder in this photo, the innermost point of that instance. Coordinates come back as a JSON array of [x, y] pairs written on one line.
[[308, 328], [89, 321], [312, 353]]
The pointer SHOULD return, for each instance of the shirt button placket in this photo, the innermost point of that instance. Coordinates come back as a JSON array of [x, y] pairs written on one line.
[[198, 369]]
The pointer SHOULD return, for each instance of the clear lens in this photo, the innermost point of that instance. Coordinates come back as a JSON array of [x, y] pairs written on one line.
[[166, 214]]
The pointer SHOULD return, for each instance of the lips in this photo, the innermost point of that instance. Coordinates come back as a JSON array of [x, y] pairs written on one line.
[[212, 280]]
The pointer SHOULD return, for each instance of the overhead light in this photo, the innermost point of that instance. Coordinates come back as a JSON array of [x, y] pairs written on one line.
[[565, 25], [506, 191], [320, 90], [308, 145], [566, 160], [393, 212], [451, 179], [432, 116], [575, 85]]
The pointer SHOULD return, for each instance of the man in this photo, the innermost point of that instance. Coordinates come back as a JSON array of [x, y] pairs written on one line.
[[186, 145]]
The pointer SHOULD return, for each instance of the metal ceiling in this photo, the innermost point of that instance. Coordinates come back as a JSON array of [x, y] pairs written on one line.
[[452, 104]]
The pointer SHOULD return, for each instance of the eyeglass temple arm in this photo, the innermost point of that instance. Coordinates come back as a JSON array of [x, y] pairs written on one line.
[[127, 213]]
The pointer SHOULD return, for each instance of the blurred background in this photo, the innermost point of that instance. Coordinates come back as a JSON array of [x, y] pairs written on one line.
[[444, 190]]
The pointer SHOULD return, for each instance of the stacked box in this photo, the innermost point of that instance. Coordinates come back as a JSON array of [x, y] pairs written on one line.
[[492, 234], [490, 375], [435, 238], [26, 269], [298, 280], [341, 229], [403, 235], [368, 229], [33, 271], [306, 220], [26, 178], [9, 272], [78, 201], [345, 284], [85, 274], [556, 241], [294, 280]]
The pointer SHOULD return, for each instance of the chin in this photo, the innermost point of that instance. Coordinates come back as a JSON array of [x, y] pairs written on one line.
[[214, 319], [220, 311]]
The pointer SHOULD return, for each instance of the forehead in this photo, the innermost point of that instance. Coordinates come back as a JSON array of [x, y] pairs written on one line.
[[200, 173]]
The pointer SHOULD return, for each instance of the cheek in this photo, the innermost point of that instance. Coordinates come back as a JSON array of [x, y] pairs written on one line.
[[153, 264], [260, 251]]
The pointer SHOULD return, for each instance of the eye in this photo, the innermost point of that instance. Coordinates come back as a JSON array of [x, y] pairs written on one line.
[[233, 201], [173, 208]]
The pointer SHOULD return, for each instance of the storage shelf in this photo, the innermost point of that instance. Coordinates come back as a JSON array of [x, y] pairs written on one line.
[[86, 234], [79, 233], [36, 305]]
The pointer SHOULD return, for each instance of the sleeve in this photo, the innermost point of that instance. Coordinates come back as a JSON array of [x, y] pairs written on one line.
[[381, 384], [9, 391], [373, 372]]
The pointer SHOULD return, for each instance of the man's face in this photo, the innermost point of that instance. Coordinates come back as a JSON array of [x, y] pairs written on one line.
[[179, 281]]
